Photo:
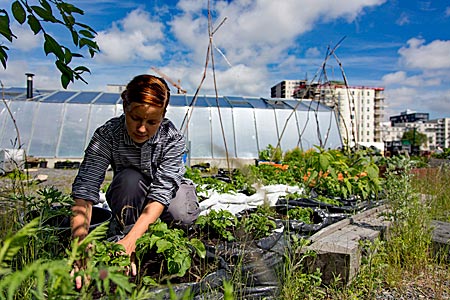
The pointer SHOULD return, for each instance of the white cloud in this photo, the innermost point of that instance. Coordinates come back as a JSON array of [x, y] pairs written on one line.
[[421, 80], [400, 98], [418, 55], [258, 32], [403, 19], [134, 37], [439, 101], [394, 78], [312, 52], [14, 75], [447, 11], [26, 40]]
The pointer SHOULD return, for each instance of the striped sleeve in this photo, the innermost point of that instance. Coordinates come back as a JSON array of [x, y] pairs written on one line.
[[170, 170], [92, 170]]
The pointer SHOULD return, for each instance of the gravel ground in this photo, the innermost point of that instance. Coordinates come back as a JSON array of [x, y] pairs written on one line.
[[59, 178], [435, 284]]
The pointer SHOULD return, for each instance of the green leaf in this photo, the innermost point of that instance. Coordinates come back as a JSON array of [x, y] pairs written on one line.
[[86, 42], [81, 69], [86, 27], [76, 54], [163, 245], [44, 14], [5, 30], [199, 247], [52, 46], [149, 281], [86, 33], [69, 8], [75, 37], [46, 6], [372, 172], [34, 23], [324, 162], [18, 12], [69, 20], [65, 80], [67, 55]]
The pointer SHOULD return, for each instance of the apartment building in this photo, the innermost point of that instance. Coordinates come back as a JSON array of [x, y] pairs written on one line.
[[442, 132], [285, 88], [437, 130], [359, 110]]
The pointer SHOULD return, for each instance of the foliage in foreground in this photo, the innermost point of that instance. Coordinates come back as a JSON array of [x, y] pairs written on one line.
[[385, 263], [40, 17]]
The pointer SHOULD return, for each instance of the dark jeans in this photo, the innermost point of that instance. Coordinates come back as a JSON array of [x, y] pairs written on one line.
[[126, 196]]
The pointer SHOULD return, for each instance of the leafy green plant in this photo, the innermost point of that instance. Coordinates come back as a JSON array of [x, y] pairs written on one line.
[[221, 223], [303, 214], [172, 244], [259, 223], [328, 200], [110, 254], [293, 156], [271, 153], [51, 278]]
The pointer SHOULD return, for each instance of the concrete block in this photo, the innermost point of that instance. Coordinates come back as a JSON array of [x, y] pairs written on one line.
[[337, 247], [441, 239]]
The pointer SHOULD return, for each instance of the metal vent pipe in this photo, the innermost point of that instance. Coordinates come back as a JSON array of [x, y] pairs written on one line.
[[29, 85]]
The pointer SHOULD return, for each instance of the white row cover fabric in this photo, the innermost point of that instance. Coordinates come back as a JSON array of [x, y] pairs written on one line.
[[238, 202]]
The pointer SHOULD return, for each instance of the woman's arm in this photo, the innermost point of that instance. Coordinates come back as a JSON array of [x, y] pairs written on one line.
[[149, 215], [81, 218]]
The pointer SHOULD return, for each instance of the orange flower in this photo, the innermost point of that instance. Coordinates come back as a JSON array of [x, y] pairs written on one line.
[[340, 177]]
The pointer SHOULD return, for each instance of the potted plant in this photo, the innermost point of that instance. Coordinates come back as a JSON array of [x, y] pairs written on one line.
[[43, 163]]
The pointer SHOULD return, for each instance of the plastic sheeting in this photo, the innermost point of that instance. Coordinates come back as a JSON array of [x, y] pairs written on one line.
[[59, 124]]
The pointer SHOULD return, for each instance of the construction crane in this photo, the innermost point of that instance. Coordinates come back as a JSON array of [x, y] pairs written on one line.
[[180, 90]]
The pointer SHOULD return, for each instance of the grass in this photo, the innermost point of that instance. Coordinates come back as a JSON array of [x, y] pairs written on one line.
[[405, 261], [402, 263]]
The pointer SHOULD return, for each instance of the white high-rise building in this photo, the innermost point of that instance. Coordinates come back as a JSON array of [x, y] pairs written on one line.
[[359, 110]]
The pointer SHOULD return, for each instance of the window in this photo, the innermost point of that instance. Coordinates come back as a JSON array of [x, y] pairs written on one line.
[[368, 109], [368, 125], [368, 101], [368, 117], [368, 132]]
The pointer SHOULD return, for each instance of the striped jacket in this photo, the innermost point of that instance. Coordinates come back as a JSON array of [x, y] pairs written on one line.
[[160, 158]]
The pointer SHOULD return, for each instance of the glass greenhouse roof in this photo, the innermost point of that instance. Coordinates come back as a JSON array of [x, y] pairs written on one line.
[[59, 124]]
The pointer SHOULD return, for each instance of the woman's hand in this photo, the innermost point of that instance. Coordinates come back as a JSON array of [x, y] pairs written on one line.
[[80, 265], [130, 246]]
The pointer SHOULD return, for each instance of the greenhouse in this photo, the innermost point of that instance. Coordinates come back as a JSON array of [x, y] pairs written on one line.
[[59, 123]]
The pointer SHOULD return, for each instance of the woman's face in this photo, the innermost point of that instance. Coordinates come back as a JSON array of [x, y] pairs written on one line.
[[142, 121]]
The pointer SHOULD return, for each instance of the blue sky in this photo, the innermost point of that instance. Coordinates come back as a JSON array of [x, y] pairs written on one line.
[[403, 46]]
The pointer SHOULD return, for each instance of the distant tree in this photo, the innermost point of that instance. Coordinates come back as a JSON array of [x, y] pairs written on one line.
[[415, 138], [40, 15]]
